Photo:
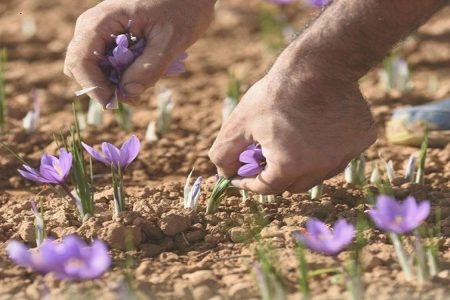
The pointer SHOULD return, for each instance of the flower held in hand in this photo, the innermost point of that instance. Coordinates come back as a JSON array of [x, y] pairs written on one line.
[[254, 161]]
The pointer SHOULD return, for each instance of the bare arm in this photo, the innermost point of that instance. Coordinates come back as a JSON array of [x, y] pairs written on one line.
[[352, 35], [307, 113]]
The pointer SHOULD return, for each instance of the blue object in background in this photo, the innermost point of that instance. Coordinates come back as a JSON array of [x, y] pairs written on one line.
[[436, 115]]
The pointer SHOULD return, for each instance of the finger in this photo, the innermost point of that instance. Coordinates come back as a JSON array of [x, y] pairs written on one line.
[[226, 150], [82, 65], [149, 67], [304, 184], [271, 181]]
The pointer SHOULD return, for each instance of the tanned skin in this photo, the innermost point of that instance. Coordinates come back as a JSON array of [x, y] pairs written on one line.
[[307, 113]]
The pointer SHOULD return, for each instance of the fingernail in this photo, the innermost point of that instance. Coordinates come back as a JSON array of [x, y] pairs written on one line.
[[134, 89]]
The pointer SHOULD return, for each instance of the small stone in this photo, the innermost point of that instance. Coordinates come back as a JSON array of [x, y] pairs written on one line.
[[202, 292], [211, 239], [202, 277], [151, 250], [270, 232], [121, 237], [239, 235], [152, 231], [398, 181], [195, 236], [241, 290], [144, 269], [172, 224], [27, 232], [445, 274]]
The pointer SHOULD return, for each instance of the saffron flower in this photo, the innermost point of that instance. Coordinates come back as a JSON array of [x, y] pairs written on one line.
[[254, 161], [320, 238], [71, 258], [117, 158], [52, 170], [399, 217], [121, 54]]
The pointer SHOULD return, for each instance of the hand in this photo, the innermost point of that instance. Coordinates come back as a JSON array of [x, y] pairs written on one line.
[[168, 26], [308, 130]]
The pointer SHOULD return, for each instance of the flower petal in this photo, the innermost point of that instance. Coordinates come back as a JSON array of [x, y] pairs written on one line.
[[423, 211], [129, 151], [19, 253], [65, 161], [316, 227], [96, 154], [249, 170], [249, 157], [112, 153]]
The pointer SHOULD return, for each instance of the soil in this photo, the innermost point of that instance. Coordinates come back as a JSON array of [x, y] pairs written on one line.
[[165, 251]]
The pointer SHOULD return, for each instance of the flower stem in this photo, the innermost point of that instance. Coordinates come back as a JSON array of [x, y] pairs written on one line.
[[403, 260], [422, 271], [118, 191]]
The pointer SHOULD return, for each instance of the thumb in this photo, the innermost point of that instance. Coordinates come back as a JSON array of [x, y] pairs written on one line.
[[225, 152], [151, 65]]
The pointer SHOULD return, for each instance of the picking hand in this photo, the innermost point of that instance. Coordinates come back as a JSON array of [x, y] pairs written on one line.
[[168, 26]]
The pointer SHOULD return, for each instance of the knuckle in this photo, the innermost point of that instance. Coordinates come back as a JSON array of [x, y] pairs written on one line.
[[217, 157]]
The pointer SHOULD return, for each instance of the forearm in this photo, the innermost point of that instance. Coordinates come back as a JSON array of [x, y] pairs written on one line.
[[350, 36]]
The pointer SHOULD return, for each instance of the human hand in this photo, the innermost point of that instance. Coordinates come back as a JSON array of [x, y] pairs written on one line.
[[309, 127], [168, 26]]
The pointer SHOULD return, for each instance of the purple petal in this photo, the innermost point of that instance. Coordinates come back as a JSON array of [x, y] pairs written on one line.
[[249, 170], [389, 206], [251, 156], [65, 161], [123, 56], [343, 233], [122, 40], [19, 253], [112, 153], [51, 175], [95, 154], [32, 176], [423, 210], [129, 151], [316, 227], [47, 159]]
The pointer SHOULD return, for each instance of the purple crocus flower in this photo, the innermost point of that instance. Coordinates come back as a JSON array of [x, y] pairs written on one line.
[[122, 54], [72, 258], [52, 170], [399, 217], [112, 156], [320, 238], [254, 161]]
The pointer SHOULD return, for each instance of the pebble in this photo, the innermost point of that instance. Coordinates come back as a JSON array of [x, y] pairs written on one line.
[[270, 232], [27, 232], [201, 277], [151, 250], [173, 223], [239, 235]]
